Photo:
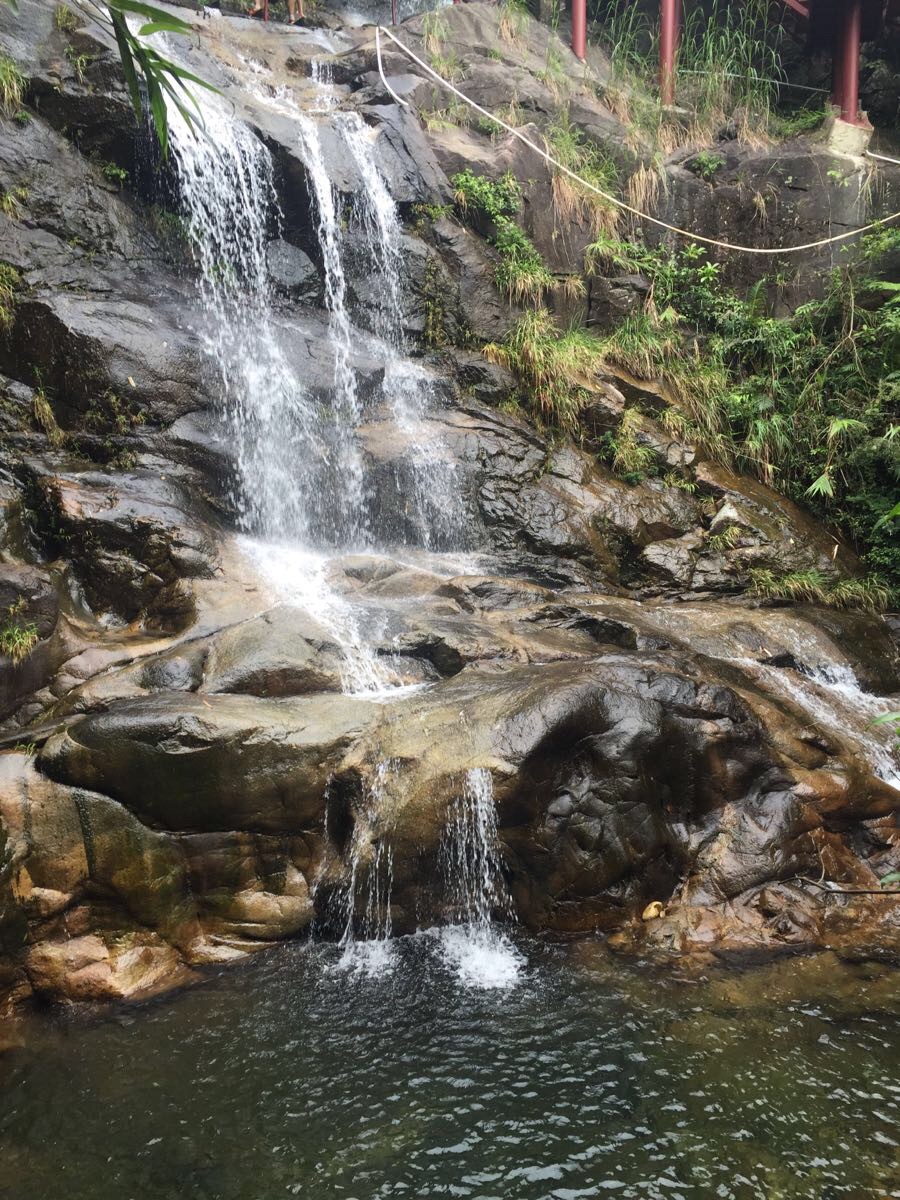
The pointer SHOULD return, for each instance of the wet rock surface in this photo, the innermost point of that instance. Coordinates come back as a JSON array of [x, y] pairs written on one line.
[[180, 774]]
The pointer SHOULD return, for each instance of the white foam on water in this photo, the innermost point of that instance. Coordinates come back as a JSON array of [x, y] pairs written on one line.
[[480, 958]]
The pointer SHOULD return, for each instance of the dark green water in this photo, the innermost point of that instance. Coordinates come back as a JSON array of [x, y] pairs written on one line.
[[588, 1079]]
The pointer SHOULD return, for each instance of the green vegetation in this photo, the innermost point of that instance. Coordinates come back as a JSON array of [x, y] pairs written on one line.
[[112, 413], [556, 367], [12, 86], [706, 164], [435, 30], [513, 19], [46, 418], [115, 174], [813, 587], [724, 539], [809, 403], [493, 204], [729, 68], [17, 637], [571, 199], [11, 201], [630, 457], [80, 62], [10, 281], [64, 19]]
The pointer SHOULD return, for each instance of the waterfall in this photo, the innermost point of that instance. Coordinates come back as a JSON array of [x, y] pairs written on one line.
[[842, 691], [473, 878], [366, 941], [301, 490], [408, 389], [345, 401]]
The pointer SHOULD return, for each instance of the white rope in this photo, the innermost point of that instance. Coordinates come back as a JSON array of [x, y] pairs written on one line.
[[388, 87], [883, 158], [686, 233]]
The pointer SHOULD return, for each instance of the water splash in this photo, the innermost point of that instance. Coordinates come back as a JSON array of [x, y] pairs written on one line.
[[479, 953]]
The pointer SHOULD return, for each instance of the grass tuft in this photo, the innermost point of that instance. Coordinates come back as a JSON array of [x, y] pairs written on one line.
[[812, 587], [64, 19], [17, 637], [493, 204], [46, 419], [571, 200], [554, 367], [12, 87], [10, 281]]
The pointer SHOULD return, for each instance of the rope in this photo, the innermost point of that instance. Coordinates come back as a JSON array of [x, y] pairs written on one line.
[[803, 87], [694, 237], [834, 889], [388, 87]]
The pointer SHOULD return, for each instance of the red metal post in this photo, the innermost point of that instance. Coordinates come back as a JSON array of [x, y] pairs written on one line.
[[668, 41], [846, 62], [265, 10], [393, 12], [579, 29]]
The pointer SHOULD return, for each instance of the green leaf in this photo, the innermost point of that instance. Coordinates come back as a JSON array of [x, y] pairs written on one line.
[[842, 425], [893, 515], [174, 26], [894, 877], [122, 38], [150, 11], [821, 486], [885, 718]]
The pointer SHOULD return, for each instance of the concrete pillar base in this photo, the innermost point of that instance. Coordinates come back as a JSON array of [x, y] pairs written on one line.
[[843, 138]]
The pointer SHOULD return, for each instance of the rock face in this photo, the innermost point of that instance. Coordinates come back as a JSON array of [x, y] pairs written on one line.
[[183, 777]]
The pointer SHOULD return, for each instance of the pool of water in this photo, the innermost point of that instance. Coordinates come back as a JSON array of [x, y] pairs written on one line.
[[583, 1077]]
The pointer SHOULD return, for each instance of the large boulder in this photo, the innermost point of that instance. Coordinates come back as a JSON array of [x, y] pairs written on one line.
[[205, 763]]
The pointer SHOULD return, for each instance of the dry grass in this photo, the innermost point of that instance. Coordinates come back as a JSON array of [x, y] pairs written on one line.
[[46, 419], [645, 186]]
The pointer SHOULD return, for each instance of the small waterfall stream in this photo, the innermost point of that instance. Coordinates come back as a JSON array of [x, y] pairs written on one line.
[[473, 945], [366, 943]]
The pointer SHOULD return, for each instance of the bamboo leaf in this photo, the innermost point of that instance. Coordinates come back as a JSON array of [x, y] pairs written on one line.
[[151, 12], [841, 425], [821, 486], [122, 38]]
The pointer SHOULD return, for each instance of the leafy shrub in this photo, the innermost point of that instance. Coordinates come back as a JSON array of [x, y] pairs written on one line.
[[521, 272], [809, 403]]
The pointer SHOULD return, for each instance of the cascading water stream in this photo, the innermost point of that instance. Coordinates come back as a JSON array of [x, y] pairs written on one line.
[[408, 389], [345, 403], [833, 698], [301, 488], [299, 480], [366, 940], [473, 877]]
